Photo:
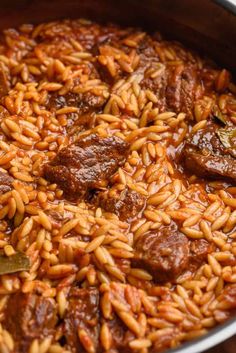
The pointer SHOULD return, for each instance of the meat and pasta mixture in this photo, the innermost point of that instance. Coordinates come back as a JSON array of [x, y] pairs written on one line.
[[117, 191]]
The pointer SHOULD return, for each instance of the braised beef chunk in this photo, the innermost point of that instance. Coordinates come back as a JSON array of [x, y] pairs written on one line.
[[87, 164], [227, 303], [77, 123], [126, 203], [120, 336], [228, 296], [210, 152], [182, 88], [87, 105], [164, 341], [81, 320], [29, 316], [5, 182], [147, 50], [110, 69], [176, 88], [84, 96], [164, 253], [85, 102], [199, 249]]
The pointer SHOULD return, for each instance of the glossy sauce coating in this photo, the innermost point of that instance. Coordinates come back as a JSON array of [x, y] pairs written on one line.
[[87, 164], [117, 182]]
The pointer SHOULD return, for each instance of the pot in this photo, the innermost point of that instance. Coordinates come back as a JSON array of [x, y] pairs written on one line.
[[206, 26]]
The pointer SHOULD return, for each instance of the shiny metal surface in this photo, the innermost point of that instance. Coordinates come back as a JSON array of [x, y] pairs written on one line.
[[228, 4]]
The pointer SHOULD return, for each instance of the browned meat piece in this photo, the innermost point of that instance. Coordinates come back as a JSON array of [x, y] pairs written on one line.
[[120, 336], [176, 88], [4, 85], [227, 303], [164, 253], [147, 51], [229, 296], [79, 122], [164, 341], [29, 316], [87, 164], [82, 318], [158, 86], [112, 70], [85, 102], [210, 152], [126, 203], [199, 249], [108, 73], [57, 218], [182, 88], [5, 182]]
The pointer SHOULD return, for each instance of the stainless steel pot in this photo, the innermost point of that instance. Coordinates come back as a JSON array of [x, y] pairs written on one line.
[[206, 26]]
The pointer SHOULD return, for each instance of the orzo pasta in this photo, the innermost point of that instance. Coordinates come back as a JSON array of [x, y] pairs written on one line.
[[117, 191]]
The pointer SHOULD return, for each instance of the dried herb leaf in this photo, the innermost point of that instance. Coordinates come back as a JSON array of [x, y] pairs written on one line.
[[220, 117], [225, 137], [14, 263]]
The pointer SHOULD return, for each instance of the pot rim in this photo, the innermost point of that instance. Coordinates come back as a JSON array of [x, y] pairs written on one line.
[[228, 4], [215, 336]]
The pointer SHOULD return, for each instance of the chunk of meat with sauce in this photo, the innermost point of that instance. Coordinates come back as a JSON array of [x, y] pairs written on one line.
[[116, 59], [176, 88], [87, 164], [227, 303], [85, 102], [182, 88], [120, 336], [82, 320], [228, 296], [164, 253], [110, 73], [199, 249], [87, 105], [87, 99], [76, 123], [164, 341], [205, 153], [146, 48], [57, 218], [5, 182], [28, 317], [126, 203]]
